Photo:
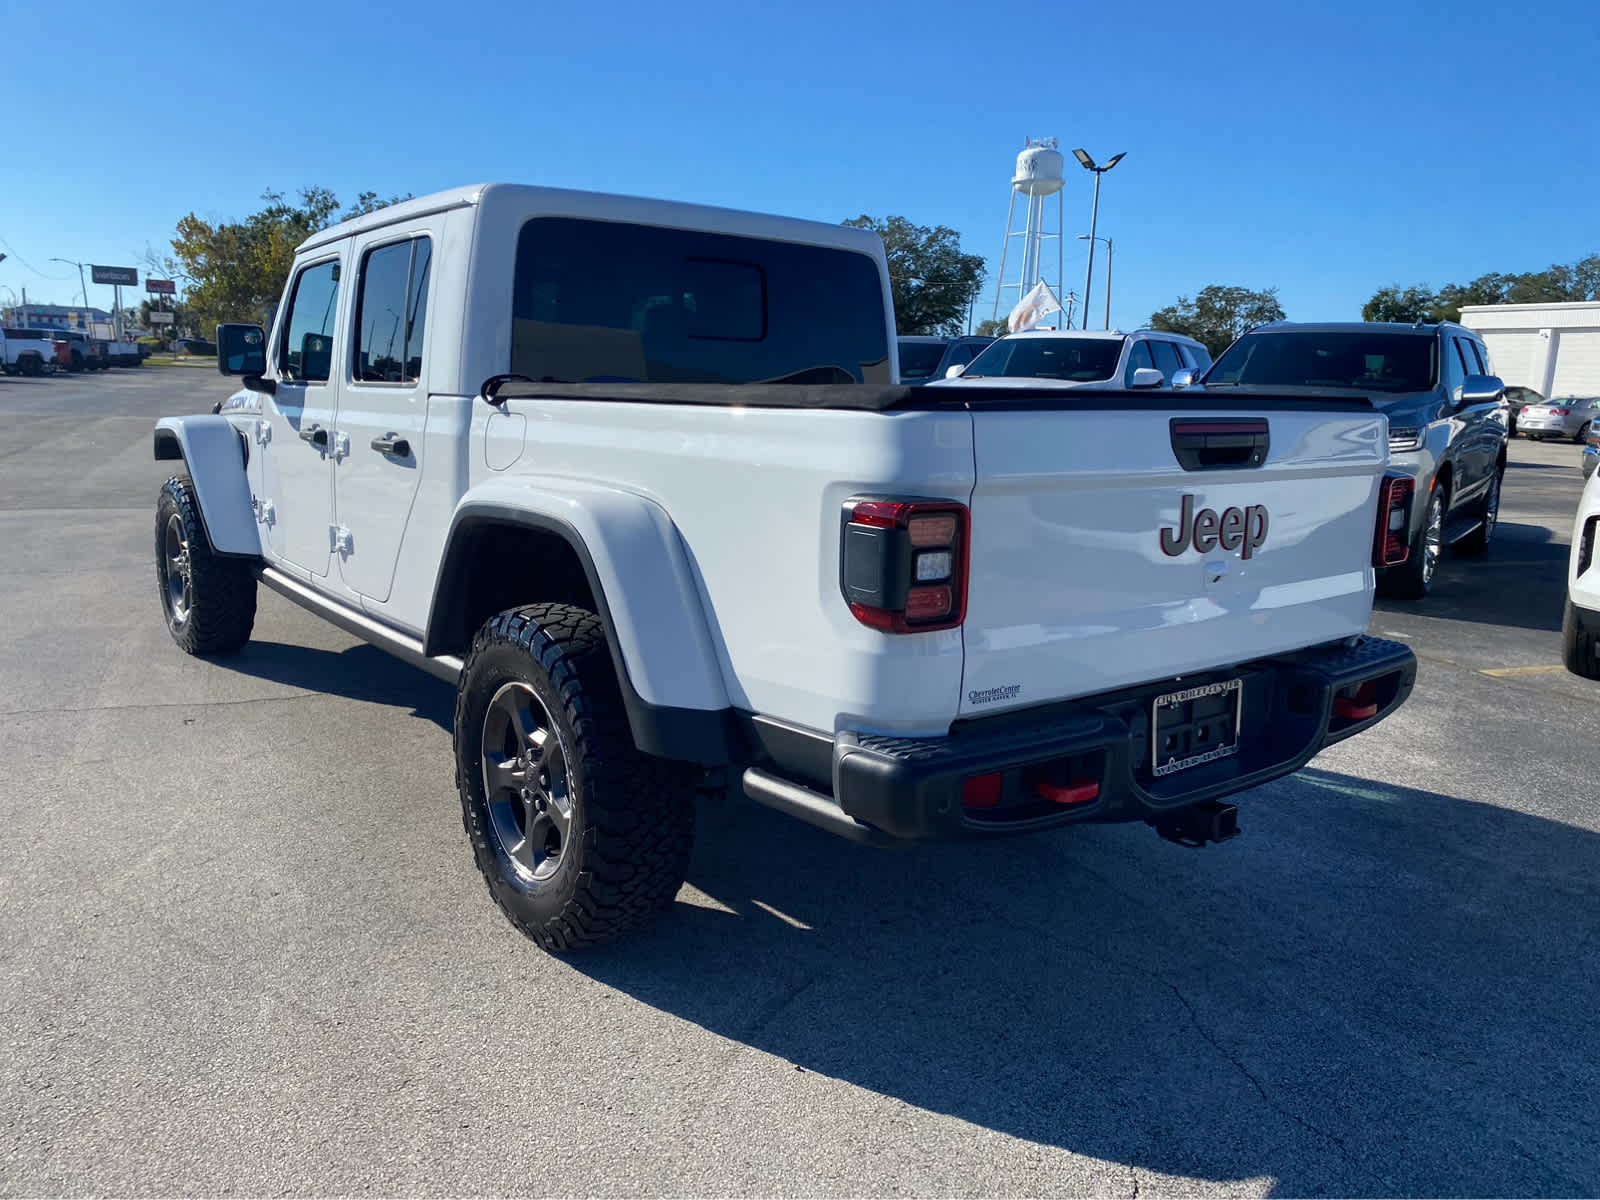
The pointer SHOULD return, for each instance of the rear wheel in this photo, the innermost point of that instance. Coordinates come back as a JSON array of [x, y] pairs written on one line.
[[1477, 542], [1580, 641], [580, 837], [1584, 432], [209, 601], [1414, 578]]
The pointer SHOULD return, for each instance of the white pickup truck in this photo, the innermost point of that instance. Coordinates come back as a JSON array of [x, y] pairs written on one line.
[[27, 351], [634, 477]]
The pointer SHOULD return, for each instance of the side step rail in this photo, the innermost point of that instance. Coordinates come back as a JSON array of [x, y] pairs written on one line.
[[402, 645]]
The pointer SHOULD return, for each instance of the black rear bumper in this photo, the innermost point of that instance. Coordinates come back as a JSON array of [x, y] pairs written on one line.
[[889, 788]]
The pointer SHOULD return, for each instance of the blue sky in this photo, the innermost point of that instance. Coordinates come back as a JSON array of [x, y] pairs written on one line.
[[1325, 150]]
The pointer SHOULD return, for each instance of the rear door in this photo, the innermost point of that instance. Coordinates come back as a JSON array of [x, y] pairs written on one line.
[[1478, 432], [1099, 560], [383, 403]]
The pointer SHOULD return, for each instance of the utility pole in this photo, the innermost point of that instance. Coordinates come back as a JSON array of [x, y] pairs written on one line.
[[83, 288]]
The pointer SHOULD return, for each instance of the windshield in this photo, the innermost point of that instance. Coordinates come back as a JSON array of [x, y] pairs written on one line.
[[1077, 360], [1356, 359], [918, 360]]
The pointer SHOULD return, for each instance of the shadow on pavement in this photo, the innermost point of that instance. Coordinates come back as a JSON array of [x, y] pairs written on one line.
[[361, 672], [1521, 582], [1375, 991]]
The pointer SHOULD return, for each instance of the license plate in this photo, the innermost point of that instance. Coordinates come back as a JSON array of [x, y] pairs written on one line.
[[1197, 725]]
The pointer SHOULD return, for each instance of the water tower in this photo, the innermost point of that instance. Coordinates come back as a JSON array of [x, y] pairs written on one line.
[[1039, 180]]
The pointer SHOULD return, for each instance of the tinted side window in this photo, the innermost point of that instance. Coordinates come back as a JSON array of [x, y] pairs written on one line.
[[306, 352], [603, 300], [1138, 357], [1196, 356], [1166, 355], [417, 304], [390, 312], [1454, 369], [1474, 356]]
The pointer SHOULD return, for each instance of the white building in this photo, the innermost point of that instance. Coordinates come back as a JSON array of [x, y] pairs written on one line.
[[1552, 348]]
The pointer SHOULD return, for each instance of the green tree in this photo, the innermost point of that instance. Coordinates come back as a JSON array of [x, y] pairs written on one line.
[[931, 280], [991, 328], [1556, 284], [1393, 303], [235, 271], [1218, 314]]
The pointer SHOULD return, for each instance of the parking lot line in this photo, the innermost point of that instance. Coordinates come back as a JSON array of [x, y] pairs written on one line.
[[1501, 672]]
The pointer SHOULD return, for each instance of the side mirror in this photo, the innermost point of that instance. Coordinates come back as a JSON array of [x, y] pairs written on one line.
[[241, 350], [1481, 389], [956, 372], [316, 358], [1147, 377], [1185, 378]]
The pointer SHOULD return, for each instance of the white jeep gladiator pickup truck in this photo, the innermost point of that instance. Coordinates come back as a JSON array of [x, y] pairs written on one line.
[[636, 478]]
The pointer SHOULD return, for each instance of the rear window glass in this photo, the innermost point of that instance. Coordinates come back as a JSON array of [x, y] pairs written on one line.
[[1078, 360], [602, 301], [1361, 361]]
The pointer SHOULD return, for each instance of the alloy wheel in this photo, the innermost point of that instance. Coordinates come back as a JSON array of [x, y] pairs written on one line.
[[179, 571], [525, 783], [1433, 538]]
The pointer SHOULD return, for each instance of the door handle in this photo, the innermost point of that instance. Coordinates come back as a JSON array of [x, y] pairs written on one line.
[[315, 434], [393, 444]]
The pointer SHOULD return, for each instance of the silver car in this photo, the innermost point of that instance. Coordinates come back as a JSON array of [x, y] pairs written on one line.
[[1569, 417]]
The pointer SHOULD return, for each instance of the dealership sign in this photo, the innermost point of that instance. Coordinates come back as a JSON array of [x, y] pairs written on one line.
[[164, 287], [157, 317], [123, 276]]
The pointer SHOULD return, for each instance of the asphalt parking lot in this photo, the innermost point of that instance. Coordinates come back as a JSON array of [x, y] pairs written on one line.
[[246, 948]]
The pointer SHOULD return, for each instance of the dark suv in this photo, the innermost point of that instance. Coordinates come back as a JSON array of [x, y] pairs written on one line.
[[1446, 427], [924, 359]]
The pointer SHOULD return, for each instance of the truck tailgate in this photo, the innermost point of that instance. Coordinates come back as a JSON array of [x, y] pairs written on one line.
[[1084, 571]]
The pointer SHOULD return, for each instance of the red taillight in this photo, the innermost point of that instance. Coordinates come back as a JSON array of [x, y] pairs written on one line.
[[880, 514], [903, 564], [982, 791], [1560, 412], [1391, 544]]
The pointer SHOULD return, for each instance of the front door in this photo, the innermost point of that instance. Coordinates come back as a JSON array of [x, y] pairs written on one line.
[[382, 408], [296, 498]]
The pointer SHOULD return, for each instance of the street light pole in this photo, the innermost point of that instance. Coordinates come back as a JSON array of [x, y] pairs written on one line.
[[83, 290], [1084, 237], [1089, 164]]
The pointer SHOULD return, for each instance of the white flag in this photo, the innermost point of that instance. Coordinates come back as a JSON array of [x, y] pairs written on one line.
[[1033, 308]]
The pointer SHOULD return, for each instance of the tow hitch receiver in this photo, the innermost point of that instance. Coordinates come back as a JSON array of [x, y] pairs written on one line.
[[1211, 821]]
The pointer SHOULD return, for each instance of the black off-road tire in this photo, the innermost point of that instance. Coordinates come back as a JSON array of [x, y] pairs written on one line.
[[214, 610], [1580, 641], [625, 850], [1476, 544]]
